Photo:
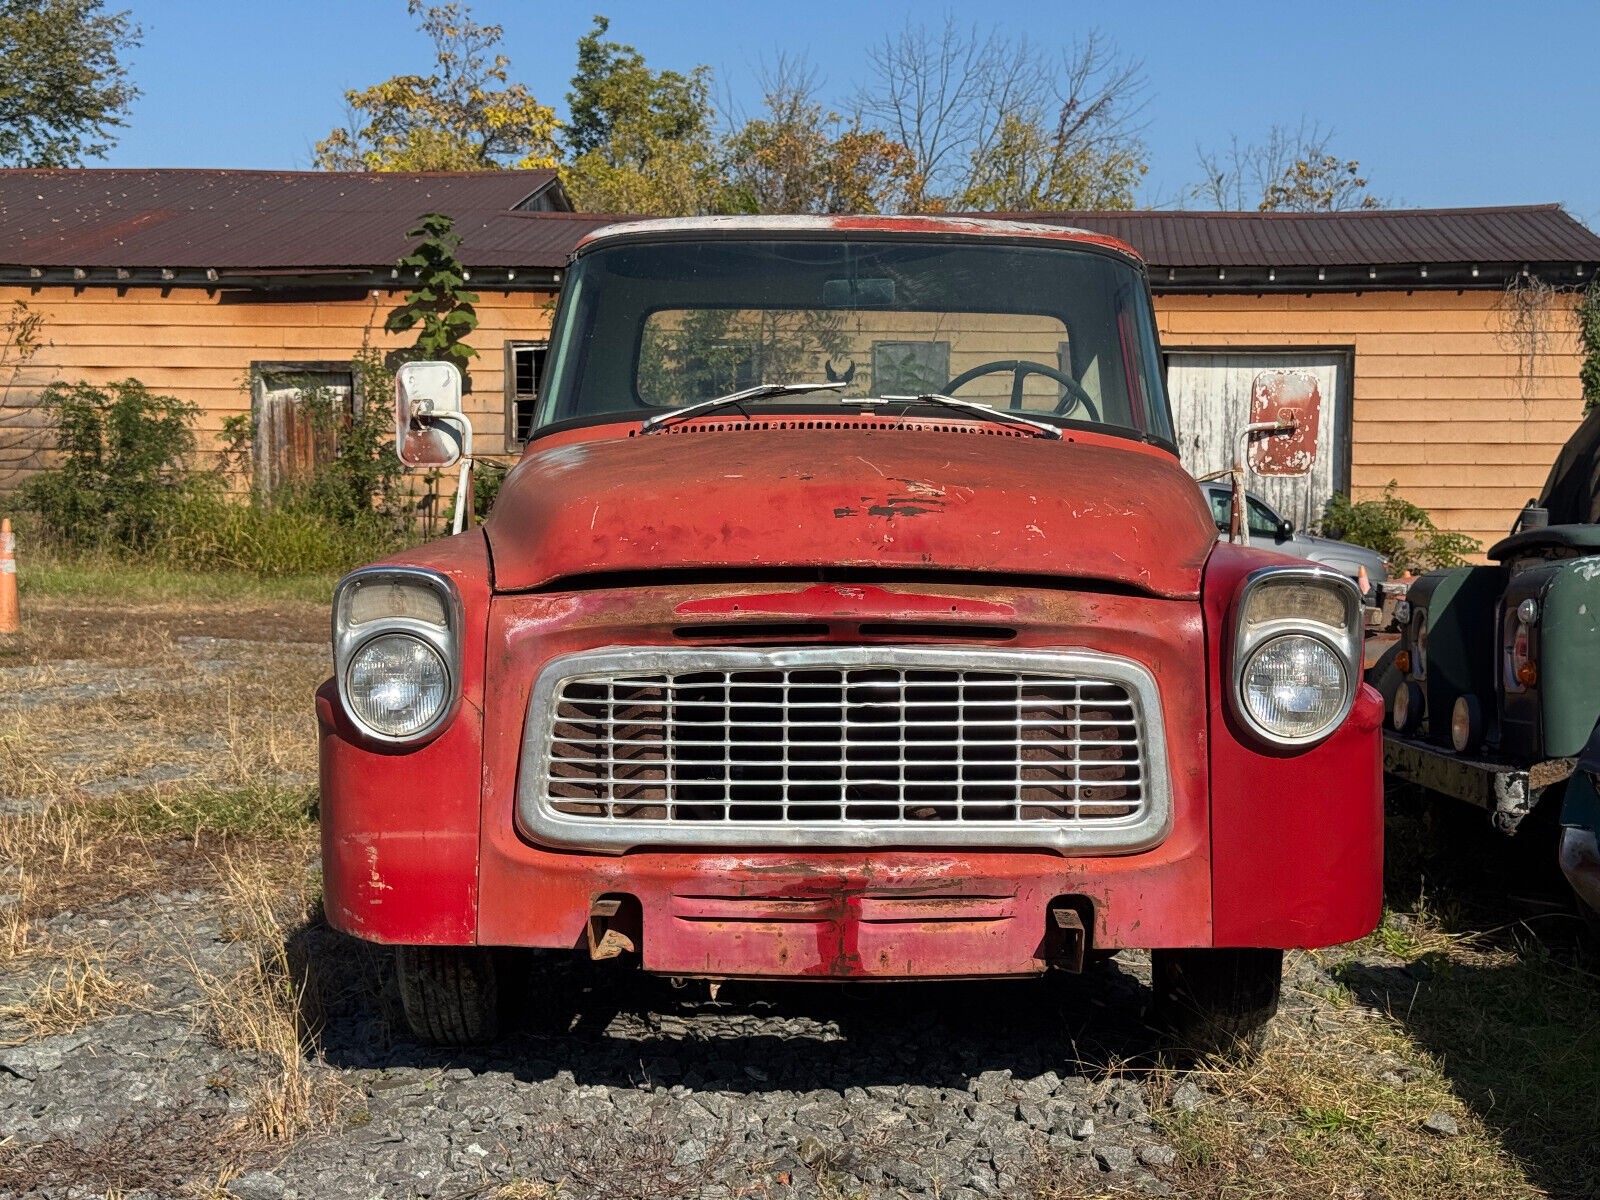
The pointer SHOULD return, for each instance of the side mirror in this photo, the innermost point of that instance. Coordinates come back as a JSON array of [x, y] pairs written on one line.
[[1285, 409], [1285, 530], [430, 429]]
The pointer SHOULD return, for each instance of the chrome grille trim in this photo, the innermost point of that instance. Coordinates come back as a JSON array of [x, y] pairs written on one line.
[[582, 786]]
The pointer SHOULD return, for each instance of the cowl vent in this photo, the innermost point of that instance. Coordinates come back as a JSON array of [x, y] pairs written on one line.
[[824, 423]]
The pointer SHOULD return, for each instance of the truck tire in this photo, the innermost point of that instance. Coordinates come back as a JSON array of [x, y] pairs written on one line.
[[1216, 1002], [451, 994], [1386, 678]]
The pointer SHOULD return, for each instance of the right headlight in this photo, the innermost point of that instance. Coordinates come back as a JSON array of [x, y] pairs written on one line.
[[1296, 653], [396, 649]]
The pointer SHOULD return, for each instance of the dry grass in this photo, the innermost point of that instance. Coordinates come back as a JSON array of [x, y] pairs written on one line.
[[76, 991], [1475, 1009], [174, 1153], [80, 854], [268, 1008]]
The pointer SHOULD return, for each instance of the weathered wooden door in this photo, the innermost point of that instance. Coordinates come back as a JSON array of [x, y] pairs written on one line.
[[1211, 404], [298, 417]]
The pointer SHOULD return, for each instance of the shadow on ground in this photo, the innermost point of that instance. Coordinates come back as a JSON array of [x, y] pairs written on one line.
[[609, 1025], [1513, 1017]]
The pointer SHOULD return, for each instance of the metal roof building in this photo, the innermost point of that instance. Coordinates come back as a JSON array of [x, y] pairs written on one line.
[[225, 287]]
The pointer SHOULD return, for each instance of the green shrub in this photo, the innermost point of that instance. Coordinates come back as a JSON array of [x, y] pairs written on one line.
[[1399, 530], [123, 477], [125, 486], [275, 539]]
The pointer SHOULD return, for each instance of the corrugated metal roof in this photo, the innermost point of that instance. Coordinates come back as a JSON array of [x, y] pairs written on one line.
[[286, 221], [272, 220], [1542, 233]]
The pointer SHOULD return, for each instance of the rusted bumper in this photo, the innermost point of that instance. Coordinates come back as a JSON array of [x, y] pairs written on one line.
[[895, 915], [1507, 791]]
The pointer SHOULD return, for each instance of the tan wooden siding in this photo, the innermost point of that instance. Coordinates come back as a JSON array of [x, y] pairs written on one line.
[[1441, 402], [198, 347]]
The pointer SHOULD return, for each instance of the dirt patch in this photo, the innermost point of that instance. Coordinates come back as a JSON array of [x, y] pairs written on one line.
[[58, 630]]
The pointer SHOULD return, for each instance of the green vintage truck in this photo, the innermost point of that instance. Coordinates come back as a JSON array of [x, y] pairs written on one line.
[[1493, 689]]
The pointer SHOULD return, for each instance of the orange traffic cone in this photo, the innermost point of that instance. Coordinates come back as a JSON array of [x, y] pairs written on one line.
[[1363, 581], [10, 619]]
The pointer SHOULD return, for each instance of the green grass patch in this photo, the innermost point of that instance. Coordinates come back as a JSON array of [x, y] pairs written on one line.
[[261, 811], [95, 576]]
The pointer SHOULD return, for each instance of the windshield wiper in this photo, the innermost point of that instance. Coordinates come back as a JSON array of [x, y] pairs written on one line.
[[972, 406], [761, 392]]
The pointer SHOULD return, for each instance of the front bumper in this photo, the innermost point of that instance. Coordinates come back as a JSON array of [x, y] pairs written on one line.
[[1507, 791]]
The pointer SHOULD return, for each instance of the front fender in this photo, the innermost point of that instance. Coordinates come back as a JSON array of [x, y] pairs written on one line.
[[400, 825], [1297, 835]]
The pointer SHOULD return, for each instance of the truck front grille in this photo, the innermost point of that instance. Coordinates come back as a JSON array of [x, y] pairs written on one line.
[[854, 745]]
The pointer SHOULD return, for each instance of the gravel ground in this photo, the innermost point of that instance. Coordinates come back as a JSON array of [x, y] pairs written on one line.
[[616, 1085], [622, 1084]]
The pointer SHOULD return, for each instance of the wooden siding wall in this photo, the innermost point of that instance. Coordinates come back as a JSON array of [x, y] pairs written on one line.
[[196, 346], [1438, 404]]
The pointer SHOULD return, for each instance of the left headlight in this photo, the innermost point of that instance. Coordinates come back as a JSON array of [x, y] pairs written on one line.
[[396, 646], [397, 685], [1296, 653]]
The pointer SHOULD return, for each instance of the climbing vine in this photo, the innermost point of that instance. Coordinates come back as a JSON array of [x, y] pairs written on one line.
[[1528, 313], [1589, 344]]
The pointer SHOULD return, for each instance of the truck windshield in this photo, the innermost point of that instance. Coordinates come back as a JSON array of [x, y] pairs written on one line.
[[1054, 332]]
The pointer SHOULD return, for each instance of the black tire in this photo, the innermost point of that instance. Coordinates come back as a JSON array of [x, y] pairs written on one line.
[[1216, 1002], [1386, 678], [451, 994]]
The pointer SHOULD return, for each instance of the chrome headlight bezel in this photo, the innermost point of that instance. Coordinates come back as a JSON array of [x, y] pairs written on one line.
[[1343, 639], [349, 638]]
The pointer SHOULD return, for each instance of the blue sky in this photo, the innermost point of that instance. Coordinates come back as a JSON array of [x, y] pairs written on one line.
[[1444, 104]]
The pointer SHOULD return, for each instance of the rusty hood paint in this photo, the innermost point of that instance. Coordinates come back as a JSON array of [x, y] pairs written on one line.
[[897, 497]]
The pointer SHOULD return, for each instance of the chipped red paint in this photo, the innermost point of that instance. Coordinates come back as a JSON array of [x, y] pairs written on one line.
[[857, 493], [889, 914], [400, 828], [1291, 398], [1298, 851], [603, 536], [843, 600]]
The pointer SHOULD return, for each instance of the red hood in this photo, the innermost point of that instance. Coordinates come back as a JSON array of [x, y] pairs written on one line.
[[910, 496]]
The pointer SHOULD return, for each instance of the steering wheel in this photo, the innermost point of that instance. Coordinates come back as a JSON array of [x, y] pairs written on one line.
[[1020, 369]]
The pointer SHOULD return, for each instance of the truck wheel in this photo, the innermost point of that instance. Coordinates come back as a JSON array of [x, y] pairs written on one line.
[[1217, 1001], [451, 994], [1386, 678]]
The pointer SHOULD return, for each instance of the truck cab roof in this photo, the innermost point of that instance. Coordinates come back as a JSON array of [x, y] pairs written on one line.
[[803, 226]]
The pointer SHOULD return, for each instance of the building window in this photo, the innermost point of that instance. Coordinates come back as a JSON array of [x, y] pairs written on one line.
[[524, 368], [299, 409]]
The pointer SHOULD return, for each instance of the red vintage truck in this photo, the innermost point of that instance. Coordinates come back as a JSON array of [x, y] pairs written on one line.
[[848, 616]]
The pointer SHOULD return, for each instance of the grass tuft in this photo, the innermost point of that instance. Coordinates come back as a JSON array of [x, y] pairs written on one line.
[[76, 992]]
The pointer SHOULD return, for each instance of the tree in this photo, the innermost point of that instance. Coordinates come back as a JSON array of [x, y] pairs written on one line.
[[466, 116], [995, 122], [63, 89], [439, 301], [1291, 171], [800, 157], [640, 140]]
